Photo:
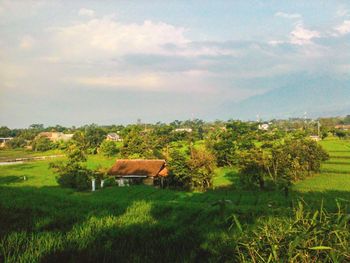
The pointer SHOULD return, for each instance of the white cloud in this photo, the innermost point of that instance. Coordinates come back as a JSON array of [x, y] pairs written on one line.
[[27, 42], [103, 37], [302, 36], [125, 81], [343, 68], [341, 12], [344, 28], [289, 16], [177, 82], [14, 9], [86, 12], [276, 42]]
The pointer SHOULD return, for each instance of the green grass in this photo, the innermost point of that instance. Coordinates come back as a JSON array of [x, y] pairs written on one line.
[[225, 177], [325, 182], [43, 222], [333, 145], [6, 154]]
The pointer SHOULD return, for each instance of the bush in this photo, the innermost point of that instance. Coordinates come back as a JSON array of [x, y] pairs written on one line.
[[108, 148], [281, 163], [192, 172], [73, 175], [309, 236], [17, 142], [42, 144], [109, 181]]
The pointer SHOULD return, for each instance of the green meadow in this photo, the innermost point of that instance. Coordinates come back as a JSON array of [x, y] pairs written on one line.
[[22, 153], [41, 222]]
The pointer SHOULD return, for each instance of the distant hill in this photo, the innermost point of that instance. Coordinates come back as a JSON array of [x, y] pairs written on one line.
[[318, 96]]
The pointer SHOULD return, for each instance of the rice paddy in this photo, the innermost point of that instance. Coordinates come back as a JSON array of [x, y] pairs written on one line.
[[42, 222]]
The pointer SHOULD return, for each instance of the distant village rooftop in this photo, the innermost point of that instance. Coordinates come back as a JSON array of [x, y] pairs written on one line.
[[138, 167], [56, 136], [189, 130]]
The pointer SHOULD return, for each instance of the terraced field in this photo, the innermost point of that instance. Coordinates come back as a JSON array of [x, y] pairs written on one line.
[[43, 222], [335, 173]]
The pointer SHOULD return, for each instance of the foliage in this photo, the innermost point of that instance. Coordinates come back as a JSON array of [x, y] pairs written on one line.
[[108, 148], [253, 167], [72, 173], [17, 142], [341, 134], [281, 163], [141, 143], [5, 132], [179, 170], [202, 165], [45, 223], [308, 236], [223, 147], [42, 144], [94, 136], [89, 138], [226, 141], [134, 144], [192, 172], [75, 154]]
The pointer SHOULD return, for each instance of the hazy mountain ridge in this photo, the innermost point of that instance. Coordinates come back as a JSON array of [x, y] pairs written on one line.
[[321, 96]]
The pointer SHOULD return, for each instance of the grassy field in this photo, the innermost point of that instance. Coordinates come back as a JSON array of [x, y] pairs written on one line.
[[43, 222], [6, 154]]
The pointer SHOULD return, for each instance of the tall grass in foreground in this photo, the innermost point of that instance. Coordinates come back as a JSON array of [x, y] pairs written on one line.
[[308, 236], [179, 235]]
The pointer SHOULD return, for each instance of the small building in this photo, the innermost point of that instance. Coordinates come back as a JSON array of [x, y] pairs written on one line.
[[264, 126], [114, 137], [316, 138], [343, 127], [3, 141], [189, 130], [56, 136], [138, 171]]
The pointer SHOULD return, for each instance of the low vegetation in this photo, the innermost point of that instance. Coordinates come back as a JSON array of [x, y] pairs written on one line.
[[216, 207]]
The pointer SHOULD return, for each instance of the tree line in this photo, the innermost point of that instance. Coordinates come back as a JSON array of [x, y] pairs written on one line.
[[272, 158]]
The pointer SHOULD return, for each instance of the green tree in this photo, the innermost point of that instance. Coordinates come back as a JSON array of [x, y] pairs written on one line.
[[224, 142], [73, 173], [192, 171], [5, 132], [202, 165], [17, 142], [223, 147], [108, 148], [253, 167], [38, 127], [94, 136], [134, 144], [340, 134], [179, 170], [281, 163], [42, 144]]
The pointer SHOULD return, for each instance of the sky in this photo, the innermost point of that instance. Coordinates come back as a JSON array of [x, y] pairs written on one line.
[[111, 62]]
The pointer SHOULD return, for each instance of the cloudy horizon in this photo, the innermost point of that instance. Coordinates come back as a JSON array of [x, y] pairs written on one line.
[[80, 62]]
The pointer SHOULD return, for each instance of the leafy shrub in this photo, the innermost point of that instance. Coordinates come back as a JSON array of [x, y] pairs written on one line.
[[72, 175], [42, 144], [17, 142], [309, 236], [281, 163], [109, 181], [192, 172], [108, 148]]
